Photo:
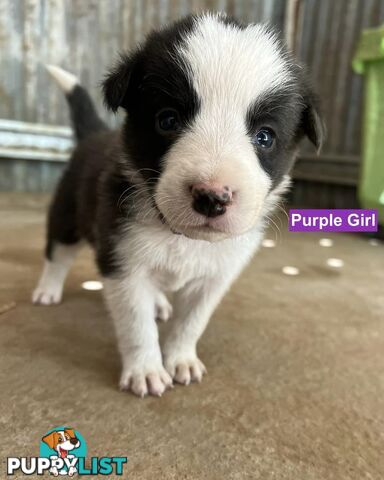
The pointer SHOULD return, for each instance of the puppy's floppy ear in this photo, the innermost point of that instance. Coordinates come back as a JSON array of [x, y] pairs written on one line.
[[311, 120], [50, 440], [119, 83]]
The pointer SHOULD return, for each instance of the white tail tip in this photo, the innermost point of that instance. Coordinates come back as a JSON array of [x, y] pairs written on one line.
[[67, 81]]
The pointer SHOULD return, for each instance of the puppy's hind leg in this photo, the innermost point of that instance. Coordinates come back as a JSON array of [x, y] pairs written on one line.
[[50, 287], [63, 242]]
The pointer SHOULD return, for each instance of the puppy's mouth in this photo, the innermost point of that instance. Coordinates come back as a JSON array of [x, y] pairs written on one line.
[[203, 231], [163, 220], [204, 227], [183, 230]]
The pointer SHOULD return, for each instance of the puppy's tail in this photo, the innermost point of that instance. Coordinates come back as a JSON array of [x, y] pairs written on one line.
[[85, 119]]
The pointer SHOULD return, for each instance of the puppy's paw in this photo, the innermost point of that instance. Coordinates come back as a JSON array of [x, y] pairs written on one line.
[[145, 381], [47, 295], [163, 308], [186, 369]]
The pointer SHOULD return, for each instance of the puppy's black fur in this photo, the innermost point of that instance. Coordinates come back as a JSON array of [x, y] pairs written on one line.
[[150, 79]]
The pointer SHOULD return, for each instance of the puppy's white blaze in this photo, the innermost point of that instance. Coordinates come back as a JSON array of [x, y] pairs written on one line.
[[66, 81], [232, 66]]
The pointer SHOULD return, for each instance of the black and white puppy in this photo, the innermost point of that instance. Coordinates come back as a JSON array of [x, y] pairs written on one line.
[[177, 199]]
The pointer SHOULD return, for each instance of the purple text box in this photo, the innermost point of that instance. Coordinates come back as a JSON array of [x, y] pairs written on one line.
[[337, 220]]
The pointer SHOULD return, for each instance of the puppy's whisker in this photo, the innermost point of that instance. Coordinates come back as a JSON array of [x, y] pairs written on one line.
[[148, 170], [276, 229]]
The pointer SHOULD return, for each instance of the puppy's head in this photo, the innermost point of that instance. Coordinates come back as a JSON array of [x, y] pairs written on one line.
[[62, 441], [215, 113]]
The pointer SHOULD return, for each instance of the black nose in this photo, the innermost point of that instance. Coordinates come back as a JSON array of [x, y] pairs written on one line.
[[209, 203], [74, 441]]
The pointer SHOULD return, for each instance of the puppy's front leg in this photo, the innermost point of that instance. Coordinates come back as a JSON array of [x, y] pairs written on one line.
[[193, 306], [131, 302]]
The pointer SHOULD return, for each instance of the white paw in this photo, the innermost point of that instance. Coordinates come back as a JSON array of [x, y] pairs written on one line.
[[186, 369], [163, 308], [47, 295], [145, 381]]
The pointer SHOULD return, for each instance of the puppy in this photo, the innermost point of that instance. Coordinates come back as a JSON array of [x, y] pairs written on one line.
[[176, 200], [62, 441]]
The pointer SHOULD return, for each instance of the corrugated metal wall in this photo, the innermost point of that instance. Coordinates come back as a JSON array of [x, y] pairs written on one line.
[[83, 36], [326, 37]]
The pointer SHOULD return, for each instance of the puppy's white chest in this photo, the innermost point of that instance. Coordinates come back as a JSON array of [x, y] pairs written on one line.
[[172, 261], [180, 260]]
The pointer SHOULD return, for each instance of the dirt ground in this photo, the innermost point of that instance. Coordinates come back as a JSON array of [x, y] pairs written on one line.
[[295, 384]]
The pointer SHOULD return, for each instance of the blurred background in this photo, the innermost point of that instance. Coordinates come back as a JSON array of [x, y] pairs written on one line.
[[84, 36]]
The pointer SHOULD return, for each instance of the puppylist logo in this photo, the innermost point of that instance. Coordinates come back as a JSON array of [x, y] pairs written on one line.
[[63, 451]]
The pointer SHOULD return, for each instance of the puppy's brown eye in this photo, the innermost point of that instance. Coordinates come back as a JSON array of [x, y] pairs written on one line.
[[60, 440], [167, 121]]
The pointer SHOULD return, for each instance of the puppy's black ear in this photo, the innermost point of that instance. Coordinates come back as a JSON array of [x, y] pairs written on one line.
[[311, 120], [119, 83]]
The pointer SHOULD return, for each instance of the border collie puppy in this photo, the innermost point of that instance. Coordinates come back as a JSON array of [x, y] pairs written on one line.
[[176, 200]]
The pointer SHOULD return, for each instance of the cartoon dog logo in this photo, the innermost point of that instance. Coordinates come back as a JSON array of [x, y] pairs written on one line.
[[62, 441]]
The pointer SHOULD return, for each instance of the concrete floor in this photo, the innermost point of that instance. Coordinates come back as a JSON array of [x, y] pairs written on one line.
[[295, 388]]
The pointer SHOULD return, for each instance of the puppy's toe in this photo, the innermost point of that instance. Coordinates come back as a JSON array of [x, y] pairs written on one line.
[[141, 383], [197, 370], [125, 381], [46, 296], [186, 370], [157, 383], [183, 374]]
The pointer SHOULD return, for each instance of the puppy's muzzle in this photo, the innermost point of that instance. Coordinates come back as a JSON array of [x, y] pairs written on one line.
[[210, 200], [74, 441]]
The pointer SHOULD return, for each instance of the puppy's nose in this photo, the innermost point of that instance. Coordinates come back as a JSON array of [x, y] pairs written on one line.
[[74, 441], [211, 200]]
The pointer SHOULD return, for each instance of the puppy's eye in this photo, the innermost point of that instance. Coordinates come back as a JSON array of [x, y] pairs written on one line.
[[264, 138], [60, 440], [167, 121]]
